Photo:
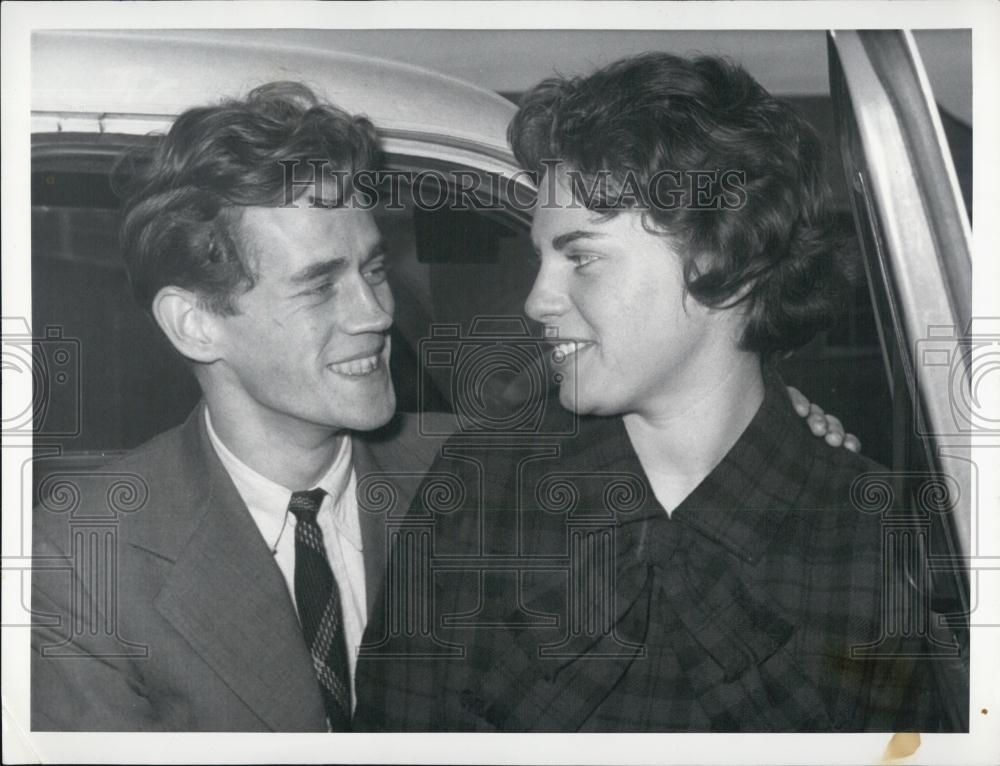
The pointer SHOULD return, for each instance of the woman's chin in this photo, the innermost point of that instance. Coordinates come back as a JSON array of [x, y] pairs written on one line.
[[575, 400]]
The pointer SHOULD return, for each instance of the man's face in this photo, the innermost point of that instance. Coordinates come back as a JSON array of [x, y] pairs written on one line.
[[615, 294], [310, 346]]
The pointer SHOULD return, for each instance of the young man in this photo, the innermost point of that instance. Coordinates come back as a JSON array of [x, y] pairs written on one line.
[[691, 560], [236, 605]]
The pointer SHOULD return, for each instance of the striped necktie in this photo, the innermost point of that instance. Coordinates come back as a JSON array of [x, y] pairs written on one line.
[[318, 602]]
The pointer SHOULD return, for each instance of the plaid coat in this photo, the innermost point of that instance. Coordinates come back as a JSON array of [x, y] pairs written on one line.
[[540, 586]]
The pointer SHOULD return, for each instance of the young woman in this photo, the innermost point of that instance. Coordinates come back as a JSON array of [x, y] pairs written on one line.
[[690, 558]]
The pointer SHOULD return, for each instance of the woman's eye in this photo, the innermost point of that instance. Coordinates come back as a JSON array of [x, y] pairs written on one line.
[[582, 259]]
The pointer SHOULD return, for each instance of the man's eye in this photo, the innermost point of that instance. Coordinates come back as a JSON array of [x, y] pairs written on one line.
[[322, 289], [376, 273]]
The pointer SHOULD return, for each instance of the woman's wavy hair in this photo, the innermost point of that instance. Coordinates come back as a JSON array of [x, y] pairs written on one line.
[[778, 253], [181, 210]]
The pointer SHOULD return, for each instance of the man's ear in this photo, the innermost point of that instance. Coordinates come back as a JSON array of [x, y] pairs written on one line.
[[189, 326]]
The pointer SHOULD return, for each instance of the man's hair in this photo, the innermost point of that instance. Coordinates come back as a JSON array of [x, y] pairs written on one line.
[[777, 251], [180, 217]]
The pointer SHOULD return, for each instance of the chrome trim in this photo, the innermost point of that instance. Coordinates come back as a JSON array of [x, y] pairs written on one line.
[[956, 191], [106, 122], [451, 142], [927, 275]]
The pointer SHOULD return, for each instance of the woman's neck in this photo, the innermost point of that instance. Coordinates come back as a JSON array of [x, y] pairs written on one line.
[[682, 440]]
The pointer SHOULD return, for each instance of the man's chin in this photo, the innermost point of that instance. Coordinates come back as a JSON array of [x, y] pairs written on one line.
[[375, 414]]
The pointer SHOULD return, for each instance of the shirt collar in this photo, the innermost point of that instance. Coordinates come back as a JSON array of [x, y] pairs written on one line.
[[271, 497], [340, 484]]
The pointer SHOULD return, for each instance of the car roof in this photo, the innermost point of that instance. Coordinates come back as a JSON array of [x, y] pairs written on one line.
[[138, 81]]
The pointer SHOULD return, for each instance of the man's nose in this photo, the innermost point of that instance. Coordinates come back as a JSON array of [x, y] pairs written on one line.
[[547, 299], [370, 308]]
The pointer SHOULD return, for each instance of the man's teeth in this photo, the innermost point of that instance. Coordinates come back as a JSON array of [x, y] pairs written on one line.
[[563, 350], [355, 367]]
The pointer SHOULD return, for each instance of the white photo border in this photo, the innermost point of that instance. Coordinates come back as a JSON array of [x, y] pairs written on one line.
[[19, 20]]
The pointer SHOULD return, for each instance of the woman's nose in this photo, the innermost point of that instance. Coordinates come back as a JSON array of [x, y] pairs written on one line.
[[547, 299]]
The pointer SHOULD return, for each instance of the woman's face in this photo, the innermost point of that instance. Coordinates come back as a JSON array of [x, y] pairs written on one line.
[[628, 339]]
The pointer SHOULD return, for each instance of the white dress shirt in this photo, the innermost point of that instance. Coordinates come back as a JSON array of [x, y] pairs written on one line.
[[338, 519]]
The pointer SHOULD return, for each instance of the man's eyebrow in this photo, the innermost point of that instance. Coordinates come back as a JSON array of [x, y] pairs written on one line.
[[377, 250], [316, 270], [560, 242], [332, 266]]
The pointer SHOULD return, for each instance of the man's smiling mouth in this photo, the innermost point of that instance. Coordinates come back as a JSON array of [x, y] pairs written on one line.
[[360, 366], [356, 367]]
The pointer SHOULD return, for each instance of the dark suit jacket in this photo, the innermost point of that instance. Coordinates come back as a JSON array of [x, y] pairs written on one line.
[[157, 603], [565, 599]]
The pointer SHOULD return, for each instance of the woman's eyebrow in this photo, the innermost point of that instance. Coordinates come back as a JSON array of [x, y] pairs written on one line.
[[560, 242]]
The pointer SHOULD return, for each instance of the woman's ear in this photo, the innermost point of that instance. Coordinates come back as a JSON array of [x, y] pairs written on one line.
[[190, 327]]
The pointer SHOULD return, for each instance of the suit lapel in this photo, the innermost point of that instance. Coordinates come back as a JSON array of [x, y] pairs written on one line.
[[227, 597], [373, 535]]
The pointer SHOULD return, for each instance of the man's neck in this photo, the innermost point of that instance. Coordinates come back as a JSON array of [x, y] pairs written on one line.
[[293, 454], [680, 442]]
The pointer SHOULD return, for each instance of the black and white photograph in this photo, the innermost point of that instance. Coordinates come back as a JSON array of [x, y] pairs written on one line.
[[469, 370]]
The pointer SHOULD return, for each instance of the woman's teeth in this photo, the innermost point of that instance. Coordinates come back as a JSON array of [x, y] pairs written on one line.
[[356, 367], [563, 350]]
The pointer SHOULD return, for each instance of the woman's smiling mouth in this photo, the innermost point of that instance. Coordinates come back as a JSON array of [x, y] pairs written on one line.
[[567, 348]]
